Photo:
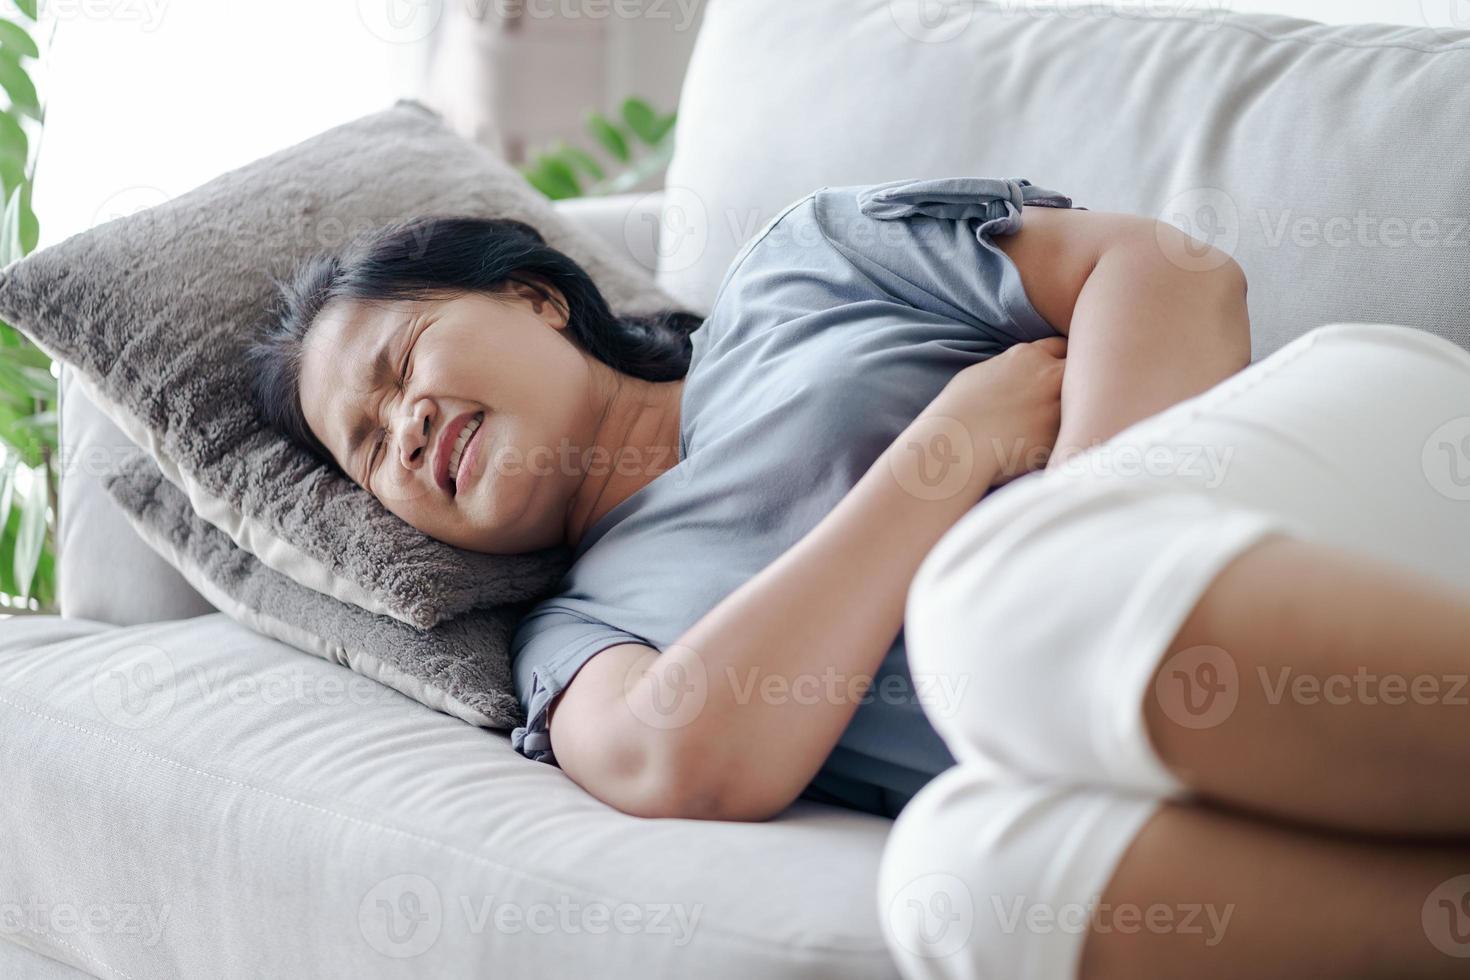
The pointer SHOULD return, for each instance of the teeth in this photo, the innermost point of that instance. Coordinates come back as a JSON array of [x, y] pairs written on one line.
[[464, 437]]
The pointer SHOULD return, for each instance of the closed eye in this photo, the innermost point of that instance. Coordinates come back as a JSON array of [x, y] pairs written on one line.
[[403, 373]]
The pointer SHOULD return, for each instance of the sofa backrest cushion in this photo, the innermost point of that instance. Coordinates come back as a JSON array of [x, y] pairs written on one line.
[[1330, 161]]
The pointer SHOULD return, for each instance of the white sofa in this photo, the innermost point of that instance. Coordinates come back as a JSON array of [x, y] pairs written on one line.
[[184, 798]]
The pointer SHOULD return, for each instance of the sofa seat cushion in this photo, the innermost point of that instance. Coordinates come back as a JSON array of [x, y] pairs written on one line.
[[195, 799]]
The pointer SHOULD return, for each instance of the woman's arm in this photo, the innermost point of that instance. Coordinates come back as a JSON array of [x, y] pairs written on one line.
[[733, 720], [1153, 315]]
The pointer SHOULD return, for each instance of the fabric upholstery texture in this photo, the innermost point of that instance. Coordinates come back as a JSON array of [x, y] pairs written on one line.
[[257, 813]]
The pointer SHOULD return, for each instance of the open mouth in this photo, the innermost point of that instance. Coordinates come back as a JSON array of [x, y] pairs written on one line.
[[459, 460]]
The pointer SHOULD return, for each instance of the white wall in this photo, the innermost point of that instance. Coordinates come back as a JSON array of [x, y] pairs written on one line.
[[146, 99], [149, 98]]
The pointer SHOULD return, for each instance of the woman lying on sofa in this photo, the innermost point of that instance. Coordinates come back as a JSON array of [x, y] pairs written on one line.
[[1190, 680]]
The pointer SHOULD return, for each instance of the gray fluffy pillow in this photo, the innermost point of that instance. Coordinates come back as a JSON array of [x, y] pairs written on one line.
[[154, 310], [461, 667]]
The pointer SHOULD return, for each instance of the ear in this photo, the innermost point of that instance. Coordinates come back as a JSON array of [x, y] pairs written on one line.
[[553, 311]]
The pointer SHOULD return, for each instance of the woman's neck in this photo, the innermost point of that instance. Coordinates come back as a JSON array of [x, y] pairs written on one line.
[[637, 440]]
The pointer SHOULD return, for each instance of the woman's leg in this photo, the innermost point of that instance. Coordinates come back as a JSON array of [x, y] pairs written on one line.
[[1279, 625], [1323, 686], [1151, 651], [986, 876], [1297, 903], [990, 874]]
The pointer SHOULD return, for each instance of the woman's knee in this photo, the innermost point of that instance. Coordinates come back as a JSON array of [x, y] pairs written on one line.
[[986, 876]]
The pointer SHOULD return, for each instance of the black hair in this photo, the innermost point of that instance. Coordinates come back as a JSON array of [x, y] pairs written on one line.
[[438, 256]]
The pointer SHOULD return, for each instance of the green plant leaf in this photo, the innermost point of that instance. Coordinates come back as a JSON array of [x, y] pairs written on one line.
[[581, 159], [16, 399], [17, 39], [32, 533], [641, 119], [10, 243], [664, 126], [27, 7], [19, 349], [646, 166], [30, 226], [564, 173], [20, 442], [608, 135], [13, 142], [43, 424], [18, 85], [44, 588], [12, 175], [21, 382], [7, 552], [550, 180], [539, 182], [7, 484]]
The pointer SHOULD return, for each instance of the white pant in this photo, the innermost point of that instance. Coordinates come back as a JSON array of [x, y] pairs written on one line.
[[1051, 603]]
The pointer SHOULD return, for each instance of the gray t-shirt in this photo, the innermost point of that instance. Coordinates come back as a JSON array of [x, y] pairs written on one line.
[[833, 328]]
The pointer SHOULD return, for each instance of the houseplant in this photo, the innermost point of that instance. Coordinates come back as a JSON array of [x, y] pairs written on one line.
[[28, 389], [558, 171]]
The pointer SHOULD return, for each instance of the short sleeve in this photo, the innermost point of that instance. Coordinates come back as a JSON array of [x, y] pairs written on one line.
[[928, 243], [550, 645]]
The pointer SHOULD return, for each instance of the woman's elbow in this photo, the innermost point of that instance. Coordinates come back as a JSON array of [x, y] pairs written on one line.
[[700, 790], [1210, 277]]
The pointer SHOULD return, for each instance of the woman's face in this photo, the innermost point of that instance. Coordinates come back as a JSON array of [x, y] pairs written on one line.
[[505, 362]]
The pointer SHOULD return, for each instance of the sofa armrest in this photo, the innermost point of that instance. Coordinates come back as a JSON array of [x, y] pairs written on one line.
[[628, 223], [104, 569]]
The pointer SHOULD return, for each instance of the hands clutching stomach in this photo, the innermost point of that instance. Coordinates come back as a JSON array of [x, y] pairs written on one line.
[[1011, 407]]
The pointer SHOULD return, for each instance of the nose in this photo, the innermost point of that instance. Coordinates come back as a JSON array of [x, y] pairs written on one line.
[[413, 444]]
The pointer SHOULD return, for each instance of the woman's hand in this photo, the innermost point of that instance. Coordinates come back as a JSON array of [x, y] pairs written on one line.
[[1011, 405]]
